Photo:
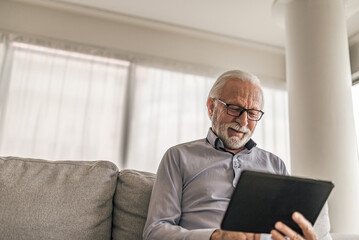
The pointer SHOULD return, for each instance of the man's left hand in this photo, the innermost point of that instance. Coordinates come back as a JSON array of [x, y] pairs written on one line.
[[303, 223]]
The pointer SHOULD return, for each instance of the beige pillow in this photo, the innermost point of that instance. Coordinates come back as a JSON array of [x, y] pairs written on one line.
[[56, 200], [131, 204]]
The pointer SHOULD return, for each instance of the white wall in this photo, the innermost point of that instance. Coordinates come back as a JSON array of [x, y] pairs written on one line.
[[148, 39]]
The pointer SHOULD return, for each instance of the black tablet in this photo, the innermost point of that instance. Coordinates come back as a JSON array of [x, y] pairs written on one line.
[[261, 199]]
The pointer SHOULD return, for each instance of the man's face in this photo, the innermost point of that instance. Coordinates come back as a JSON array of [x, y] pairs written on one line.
[[234, 131]]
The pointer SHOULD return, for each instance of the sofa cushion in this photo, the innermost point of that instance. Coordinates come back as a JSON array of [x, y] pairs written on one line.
[[322, 224], [56, 199], [343, 236], [131, 204]]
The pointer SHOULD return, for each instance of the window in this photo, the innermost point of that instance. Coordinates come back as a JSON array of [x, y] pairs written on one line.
[[272, 131], [1, 53], [64, 101], [63, 105], [169, 108]]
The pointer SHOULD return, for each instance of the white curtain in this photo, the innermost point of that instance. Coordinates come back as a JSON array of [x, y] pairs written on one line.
[[61, 104], [355, 94], [272, 131], [2, 47], [170, 108], [65, 101]]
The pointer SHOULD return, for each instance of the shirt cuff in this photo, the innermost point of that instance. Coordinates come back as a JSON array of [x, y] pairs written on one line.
[[203, 234], [266, 236]]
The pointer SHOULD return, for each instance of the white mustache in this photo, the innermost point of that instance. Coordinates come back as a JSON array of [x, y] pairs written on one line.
[[238, 128]]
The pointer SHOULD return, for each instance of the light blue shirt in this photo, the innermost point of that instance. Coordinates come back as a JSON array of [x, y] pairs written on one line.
[[194, 184]]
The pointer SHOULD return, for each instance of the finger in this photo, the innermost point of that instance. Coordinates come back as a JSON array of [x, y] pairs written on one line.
[[250, 236], [242, 236], [230, 235], [287, 231], [305, 225], [276, 235], [257, 236]]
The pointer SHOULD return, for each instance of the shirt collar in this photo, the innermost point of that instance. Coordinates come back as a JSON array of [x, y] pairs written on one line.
[[217, 143]]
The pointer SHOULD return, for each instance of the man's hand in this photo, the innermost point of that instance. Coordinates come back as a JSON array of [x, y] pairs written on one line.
[[303, 223], [229, 235]]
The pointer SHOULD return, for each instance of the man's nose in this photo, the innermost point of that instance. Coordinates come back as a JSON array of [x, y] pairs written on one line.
[[242, 118]]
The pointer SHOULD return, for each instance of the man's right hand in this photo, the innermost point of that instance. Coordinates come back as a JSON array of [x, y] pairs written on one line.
[[229, 235]]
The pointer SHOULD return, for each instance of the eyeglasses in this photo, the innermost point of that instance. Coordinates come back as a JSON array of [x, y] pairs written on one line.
[[236, 111]]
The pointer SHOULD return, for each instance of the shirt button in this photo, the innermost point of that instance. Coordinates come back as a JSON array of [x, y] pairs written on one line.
[[236, 163]]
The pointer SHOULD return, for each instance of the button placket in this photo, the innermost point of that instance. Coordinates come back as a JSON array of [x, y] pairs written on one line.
[[236, 163], [236, 168]]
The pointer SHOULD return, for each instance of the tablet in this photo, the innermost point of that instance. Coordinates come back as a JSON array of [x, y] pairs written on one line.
[[261, 199]]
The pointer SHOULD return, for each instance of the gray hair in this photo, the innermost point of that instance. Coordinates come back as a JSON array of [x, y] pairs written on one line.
[[234, 74]]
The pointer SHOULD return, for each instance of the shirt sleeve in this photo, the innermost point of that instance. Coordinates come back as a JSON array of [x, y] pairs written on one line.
[[164, 211], [266, 236]]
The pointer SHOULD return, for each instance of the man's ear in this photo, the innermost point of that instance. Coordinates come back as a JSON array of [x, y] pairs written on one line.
[[210, 107]]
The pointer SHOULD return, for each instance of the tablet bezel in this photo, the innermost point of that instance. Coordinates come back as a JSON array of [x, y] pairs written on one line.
[[261, 199]]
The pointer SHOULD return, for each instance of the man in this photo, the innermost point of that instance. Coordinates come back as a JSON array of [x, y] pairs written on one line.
[[195, 180]]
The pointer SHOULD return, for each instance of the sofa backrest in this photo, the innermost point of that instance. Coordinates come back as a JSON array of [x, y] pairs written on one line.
[[45, 200], [131, 201]]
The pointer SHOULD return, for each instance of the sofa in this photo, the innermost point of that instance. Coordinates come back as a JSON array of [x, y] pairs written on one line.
[[89, 200]]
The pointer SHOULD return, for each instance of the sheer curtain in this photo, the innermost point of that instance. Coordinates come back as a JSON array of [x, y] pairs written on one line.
[[170, 108], [2, 41], [62, 104], [67, 101], [355, 94], [272, 131]]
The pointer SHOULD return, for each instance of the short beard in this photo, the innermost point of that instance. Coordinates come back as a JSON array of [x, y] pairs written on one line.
[[233, 142]]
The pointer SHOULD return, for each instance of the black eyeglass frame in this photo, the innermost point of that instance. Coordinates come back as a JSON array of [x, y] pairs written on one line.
[[241, 109]]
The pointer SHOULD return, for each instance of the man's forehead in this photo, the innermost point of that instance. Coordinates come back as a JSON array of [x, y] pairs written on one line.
[[244, 90], [240, 87]]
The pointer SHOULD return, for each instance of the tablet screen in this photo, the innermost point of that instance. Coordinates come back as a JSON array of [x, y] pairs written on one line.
[[261, 199]]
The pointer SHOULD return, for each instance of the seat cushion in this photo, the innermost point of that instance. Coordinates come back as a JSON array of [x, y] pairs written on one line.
[[322, 224], [131, 204], [343, 236], [56, 199]]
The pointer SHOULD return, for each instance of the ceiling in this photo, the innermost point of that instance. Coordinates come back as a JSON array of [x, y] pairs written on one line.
[[249, 20]]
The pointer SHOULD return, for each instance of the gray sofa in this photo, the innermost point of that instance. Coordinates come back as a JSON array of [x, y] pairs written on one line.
[[44, 200], [86, 200]]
